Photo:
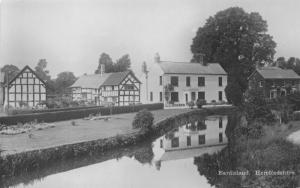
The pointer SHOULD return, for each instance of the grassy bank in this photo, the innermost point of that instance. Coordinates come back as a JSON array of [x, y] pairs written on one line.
[[32, 161]]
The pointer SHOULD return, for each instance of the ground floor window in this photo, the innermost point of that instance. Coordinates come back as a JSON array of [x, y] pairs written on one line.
[[201, 95], [151, 96], [174, 97], [220, 137], [160, 96], [193, 96], [188, 140], [201, 139], [272, 94], [220, 95]]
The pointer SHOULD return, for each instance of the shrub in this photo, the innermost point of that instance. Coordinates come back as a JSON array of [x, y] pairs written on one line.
[[296, 115], [191, 104], [143, 119], [200, 103]]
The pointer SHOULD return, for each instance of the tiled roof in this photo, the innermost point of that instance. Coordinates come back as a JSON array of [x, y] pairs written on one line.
[[91, 81], [115, 78], [191, 68], [277, 73], [96, 80]]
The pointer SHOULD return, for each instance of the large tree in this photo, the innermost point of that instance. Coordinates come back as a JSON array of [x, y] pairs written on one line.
[[238, 41], [107, 62], [291, 63], [10, 71], [122, 64], [63, 81], [40, 70]]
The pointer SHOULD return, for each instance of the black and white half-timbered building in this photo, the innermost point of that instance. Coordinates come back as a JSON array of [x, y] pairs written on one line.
[[26, 89], [119, 88]]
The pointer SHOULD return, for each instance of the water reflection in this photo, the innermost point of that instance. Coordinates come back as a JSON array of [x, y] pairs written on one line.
[[168, 161]]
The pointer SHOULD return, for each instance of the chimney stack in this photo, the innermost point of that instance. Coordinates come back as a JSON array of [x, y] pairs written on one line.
[[102, 69], [157, 58], [199, 57]]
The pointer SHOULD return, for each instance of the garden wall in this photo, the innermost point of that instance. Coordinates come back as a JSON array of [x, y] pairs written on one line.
[[75, 114]]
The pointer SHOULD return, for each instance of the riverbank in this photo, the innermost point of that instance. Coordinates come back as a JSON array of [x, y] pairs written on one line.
[[34, 160]]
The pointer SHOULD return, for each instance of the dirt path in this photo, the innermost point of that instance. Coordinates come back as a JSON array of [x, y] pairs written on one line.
[[83, 130]]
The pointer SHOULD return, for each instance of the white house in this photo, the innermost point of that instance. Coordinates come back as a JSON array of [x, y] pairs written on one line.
[[119, 88], [25, 89], [191, 81], [193, 139]]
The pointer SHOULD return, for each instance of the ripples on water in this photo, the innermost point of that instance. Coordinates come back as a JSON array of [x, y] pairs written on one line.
[[169, 161]]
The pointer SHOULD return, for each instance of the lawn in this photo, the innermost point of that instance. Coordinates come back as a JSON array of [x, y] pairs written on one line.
[[73, 131]]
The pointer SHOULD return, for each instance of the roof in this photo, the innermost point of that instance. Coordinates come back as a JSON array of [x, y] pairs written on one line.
[[277, 73], [96, 80], [91, 81], [32, 71], [191, 68]]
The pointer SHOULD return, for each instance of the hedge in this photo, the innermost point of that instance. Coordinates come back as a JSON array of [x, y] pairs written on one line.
[[75, 114]]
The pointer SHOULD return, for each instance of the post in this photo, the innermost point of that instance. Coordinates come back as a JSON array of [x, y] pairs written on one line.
[[7, 90]]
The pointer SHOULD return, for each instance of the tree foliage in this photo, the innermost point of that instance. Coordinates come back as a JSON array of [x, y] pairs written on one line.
[[238, 41], [63, 81], [120, 65], [10, 70], [291, 63], [41, 71]]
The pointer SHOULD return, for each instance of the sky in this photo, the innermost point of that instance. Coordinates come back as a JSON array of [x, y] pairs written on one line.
[[71, 34]]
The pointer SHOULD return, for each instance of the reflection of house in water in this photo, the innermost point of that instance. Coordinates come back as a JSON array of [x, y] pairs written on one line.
[[195, 139]]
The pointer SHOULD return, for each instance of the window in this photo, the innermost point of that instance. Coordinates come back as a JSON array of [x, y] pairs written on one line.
[[201, 139], [220, 96], [174, 80], [220, 123], [188, 140], [201, 81], [220, 137], [220, 81], [188, 81], [160, 96], [201, 95], [129, 87], [193, 96], [160, 80], [201, 125], [151, 96], [174, 97], [186, 98], [175, 142], [161, 143], [260, 84]]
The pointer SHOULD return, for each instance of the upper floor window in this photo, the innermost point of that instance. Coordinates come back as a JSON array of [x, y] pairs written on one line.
[[129, 87], [151, 96], [160, 80], [260, 84], [201, 81], [174, 80], [220, 81], [188, 81]]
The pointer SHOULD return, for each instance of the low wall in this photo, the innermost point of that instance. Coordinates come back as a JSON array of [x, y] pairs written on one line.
[[75, 114], [28, 162]]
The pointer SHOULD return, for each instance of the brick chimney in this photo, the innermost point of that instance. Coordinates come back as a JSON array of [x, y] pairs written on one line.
[[199, 57], [102, 69]]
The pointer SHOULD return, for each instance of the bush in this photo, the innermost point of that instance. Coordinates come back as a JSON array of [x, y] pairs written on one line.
[[143, 119], [200, 103], [191, 104], [296, 115]]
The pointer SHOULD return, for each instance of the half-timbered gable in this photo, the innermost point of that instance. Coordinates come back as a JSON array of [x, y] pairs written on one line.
[[25, 89], [120, 88]]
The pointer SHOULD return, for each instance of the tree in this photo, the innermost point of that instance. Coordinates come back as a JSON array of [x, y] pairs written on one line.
[[40, 70], [122, 64], [63, 81], [291, 63], [10, 70], [238, 41], [107, 62]]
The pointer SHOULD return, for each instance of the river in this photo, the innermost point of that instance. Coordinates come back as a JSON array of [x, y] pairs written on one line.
[[168, 161]]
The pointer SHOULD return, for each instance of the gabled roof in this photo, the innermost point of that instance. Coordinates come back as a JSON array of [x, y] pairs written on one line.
[[277, 73], [93, 81], [191, 68], [32, 71], [107, 79]]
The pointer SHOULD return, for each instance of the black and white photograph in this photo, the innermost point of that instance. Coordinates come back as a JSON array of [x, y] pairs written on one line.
[[149, 93]]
